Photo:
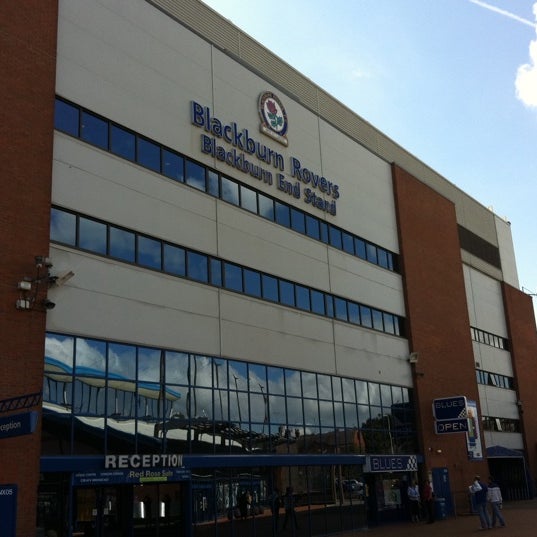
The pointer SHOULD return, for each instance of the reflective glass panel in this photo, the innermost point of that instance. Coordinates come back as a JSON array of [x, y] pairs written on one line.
[[326, 411], [348, 243], [233, 277], [59, 353], [351, 416], [365, 316], [325, 386], [172, 165], [148, 154], [197, 267], [283, 215], [266, 207], [149, 364], [295, 415], [298, 221], [248, 199], [122, 142], [349, 394], [317, 302], [359, 248], [230, 191], [213, 184], [323, 229], [216, 272], [94, 130], [121, 244], [121, 361], [389, 325], [335, 237], [377, 320], [92, 235], [336, 389], [258, 378], [174, 260], [354, 312], [149, 252], [309, 384], [371, 253], [275, 380], [195, 175], [311, 414], [362, 391], [341, 309], [312, 227], [277, 409], [287, 293], [382, 257], [302, 297], [292, 382], [270, 288], [62, 227], [176, 367], [90, 358], [252, 282], [66, 118], [374, 393]]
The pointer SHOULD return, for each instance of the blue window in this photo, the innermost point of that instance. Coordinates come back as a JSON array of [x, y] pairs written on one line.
[[317, 302], [348, 243], [66, 118], [94, 130], [216, 272], [270, 288], [298, 222], [266, 207], [230, 191], [197, 268], [213, 184], [372, 253], [365, 316], [389, 326], [312, 227], [354, 312], [195, 175], [122, 142], [174, 260], [283, 215], [149, 252], [172, 165], [287, 293], [335, 237], [323, 228], [377, 320], [329, 304], [359, 247], [303, 297], [252, 282], [92, 235], [382, 256], [341, 309], [248, 199], [233, 277], [63, 227], [122, 244], [148, 154]]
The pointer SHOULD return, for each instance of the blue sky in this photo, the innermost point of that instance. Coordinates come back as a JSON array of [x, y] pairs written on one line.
[[452, 81]]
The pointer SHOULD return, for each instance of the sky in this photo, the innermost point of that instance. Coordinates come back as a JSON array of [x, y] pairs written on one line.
[[454, 82]]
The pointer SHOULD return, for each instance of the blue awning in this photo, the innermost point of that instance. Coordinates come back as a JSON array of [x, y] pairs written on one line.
[[503, 452]]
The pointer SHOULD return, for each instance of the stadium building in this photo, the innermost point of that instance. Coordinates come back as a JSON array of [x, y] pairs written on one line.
[[218, 281]]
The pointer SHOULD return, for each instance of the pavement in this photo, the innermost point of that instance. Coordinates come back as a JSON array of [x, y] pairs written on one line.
[[520, 518]]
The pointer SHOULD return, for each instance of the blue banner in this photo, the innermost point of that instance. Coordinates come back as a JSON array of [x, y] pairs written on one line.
[[18, 424]]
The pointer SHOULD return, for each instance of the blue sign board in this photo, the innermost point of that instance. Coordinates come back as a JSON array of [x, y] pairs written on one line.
[[18, 424], [391, 463], [8, 510], [139, 475], [459, 425], [449, 408]]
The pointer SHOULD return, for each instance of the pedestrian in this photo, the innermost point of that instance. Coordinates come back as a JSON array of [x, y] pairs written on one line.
[[289, 504], [413, 493], [479, 490], [494, 497], [428, 499]]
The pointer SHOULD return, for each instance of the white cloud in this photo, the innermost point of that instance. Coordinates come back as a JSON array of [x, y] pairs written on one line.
[[503, 12], [526, 77]]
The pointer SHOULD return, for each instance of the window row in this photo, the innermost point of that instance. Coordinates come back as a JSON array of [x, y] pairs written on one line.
[[108, 240], [505, 425], [494, 379], [170, 394], [129, 145], [490, 339]]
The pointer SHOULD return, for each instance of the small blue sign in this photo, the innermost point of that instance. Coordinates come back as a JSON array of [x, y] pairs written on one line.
[[449, 408], [18, 424], [459, 425], [391, 463], [8, 510]]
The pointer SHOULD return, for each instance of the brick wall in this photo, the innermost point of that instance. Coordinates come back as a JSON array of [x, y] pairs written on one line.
[[28, 65], [438, 322]]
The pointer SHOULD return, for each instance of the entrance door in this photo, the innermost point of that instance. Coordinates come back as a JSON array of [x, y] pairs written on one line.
[[97, 512], [157, 510]]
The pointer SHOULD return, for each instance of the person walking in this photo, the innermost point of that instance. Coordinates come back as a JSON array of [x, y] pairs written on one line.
[[479, 489], [289, 504], [494, 497], [275, 504], [428, 499], [414, 501]]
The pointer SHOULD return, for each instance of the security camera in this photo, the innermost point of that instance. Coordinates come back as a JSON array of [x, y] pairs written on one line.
[[60, 279], [413, 358], [48, 304]]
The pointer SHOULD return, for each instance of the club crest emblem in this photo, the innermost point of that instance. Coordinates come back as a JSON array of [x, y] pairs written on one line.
[[273, 117]]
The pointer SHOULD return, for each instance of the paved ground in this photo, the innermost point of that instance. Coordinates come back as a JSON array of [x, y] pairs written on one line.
[[520, 518]]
